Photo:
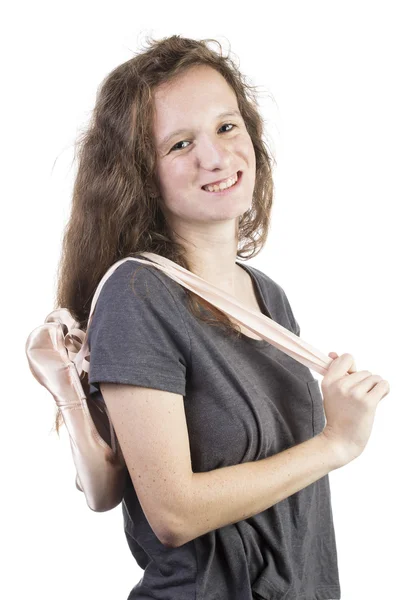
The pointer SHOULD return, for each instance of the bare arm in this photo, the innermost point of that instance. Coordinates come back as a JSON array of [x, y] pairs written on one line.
[[181, 505], [230, 494]]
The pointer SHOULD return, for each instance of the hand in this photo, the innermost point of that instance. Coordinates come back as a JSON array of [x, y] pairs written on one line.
[[350, 401]]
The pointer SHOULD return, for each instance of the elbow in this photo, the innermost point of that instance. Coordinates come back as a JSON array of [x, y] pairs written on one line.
[[174, 540], [169, 540], [176, 530], [175, 535]]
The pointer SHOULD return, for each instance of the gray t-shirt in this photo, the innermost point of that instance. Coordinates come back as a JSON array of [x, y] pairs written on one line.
[[244, 400]]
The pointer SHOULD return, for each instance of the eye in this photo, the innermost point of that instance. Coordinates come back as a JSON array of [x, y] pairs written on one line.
[[183, 141]]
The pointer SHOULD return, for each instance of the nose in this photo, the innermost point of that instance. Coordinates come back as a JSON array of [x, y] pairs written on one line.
[[213, 154]]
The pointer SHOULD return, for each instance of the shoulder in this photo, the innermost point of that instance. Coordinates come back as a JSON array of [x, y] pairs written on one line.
[[142, 280], [136, 293], [136, 303]]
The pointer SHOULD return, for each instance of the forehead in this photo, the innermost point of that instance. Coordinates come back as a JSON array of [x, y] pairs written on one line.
[[195, 86], [193, 81]]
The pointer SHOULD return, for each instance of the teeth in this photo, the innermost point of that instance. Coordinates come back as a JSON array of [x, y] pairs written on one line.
[[222, 186]]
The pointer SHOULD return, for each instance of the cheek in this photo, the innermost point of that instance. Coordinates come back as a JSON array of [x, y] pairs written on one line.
[[173, 189], [251, 161], [250, 150], [175, 176], [244, 147]]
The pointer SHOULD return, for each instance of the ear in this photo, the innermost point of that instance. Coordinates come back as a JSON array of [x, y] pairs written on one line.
[[152, 191]]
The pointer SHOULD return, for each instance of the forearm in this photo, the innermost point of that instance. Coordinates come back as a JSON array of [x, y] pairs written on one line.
[[230, 494]]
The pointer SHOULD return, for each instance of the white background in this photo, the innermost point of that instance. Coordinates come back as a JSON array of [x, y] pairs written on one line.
[[328, 75]]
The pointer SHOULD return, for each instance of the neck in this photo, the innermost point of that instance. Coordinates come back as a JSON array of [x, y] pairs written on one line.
[[211, 253]]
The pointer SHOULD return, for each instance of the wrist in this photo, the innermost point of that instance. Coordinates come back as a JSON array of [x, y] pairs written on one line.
[[336, 452]]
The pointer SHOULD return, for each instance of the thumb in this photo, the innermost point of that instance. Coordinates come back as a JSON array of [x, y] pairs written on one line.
[[333, 355]]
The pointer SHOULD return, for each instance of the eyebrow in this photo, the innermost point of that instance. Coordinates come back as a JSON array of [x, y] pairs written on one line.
[[165, 141]]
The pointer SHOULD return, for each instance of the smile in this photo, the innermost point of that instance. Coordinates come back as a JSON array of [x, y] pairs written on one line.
[[225, 187]]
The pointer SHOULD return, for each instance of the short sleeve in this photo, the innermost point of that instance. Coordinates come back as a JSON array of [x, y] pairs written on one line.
[[137, 334]]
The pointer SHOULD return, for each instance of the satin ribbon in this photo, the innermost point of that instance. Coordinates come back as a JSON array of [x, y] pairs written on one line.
[[59, 359], [261, 325]]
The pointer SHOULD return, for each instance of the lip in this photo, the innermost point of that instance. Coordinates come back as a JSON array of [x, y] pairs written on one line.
[[230, 189]]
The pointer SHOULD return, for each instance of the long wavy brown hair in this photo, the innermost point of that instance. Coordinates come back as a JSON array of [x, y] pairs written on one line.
[[114, 213]]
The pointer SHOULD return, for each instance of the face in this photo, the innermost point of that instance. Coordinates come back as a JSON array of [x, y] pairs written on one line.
[[208, 148]]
